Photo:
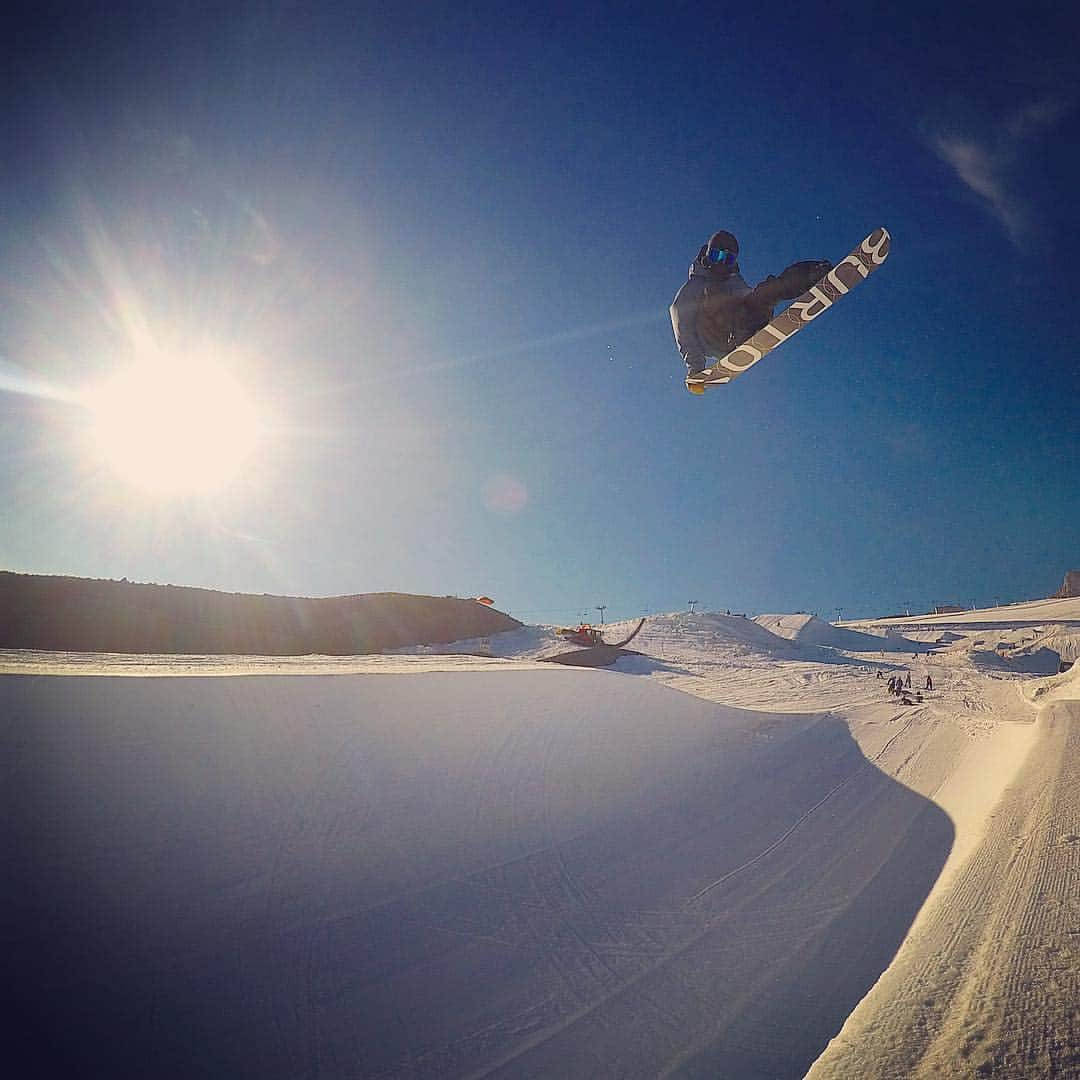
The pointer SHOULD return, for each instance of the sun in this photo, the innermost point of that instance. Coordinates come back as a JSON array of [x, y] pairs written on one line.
[[174, 427]]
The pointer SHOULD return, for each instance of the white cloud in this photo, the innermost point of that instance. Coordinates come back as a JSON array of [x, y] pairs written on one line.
[[985, 174], [986, 163], [1036, 118]]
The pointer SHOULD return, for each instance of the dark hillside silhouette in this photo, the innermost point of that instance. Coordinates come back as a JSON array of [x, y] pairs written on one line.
[[85, 615]]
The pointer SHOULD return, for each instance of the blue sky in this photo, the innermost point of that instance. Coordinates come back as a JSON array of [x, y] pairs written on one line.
[[440, 247]]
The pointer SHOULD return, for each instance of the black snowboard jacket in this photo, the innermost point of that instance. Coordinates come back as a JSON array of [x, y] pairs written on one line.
[[716, 310]]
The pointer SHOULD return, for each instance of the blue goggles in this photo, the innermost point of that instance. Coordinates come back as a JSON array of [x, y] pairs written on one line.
[[720, 257]]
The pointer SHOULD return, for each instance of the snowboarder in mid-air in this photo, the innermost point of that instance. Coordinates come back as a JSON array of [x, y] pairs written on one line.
[[716, 310]]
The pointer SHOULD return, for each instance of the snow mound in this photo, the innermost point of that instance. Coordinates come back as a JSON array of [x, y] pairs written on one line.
[[1028, 662], [810, 630], [701, 634], [1063, 687], [1064, 640]]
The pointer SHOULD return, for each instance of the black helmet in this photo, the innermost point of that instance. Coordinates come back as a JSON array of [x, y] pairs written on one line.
[[724, 241], [721, 253]]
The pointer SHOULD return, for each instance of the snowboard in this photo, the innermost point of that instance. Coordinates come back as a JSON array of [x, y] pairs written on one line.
[[821, 296]]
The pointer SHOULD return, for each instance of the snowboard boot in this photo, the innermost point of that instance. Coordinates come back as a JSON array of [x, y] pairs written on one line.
[[693, 386]]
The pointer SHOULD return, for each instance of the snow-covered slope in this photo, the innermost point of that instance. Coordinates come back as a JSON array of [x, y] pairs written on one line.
[[987, 982], [440, 873], [1060, 610], [448, 865], [525, 643], [810, 630]]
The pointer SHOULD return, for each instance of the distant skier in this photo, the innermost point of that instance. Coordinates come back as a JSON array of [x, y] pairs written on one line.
[[907, 681], [716, 310], [929, 682]]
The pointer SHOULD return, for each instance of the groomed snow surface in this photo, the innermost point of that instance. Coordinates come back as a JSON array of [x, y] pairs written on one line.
[[732, 855]]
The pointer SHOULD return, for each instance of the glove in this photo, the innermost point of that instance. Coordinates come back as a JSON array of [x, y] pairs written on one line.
[[798, 277]]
